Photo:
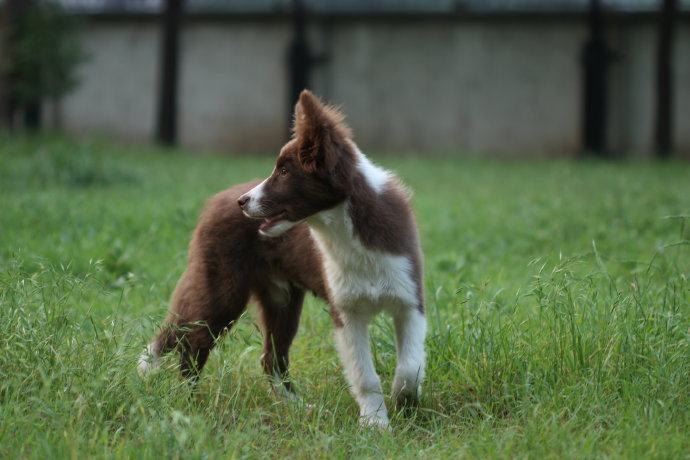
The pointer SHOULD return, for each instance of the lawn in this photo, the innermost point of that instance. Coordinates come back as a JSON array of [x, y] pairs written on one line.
[[557, 295]]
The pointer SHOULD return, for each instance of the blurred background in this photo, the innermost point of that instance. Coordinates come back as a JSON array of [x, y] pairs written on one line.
[[508, 78]]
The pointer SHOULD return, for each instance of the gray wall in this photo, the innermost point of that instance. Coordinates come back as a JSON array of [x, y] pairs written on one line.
[[510, 89], [118, 85], [233, 88], [506, 87]]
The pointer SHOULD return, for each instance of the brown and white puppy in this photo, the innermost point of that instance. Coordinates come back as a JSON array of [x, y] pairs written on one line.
[[326, 220]]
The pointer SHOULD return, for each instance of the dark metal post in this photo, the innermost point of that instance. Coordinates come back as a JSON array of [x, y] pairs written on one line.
[[301, 60], [166, 128], [596, 58], [664, 80], [15, 11], [299, 56], [4, 49]]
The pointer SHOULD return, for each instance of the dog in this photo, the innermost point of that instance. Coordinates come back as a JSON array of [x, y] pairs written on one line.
[[329, 221]]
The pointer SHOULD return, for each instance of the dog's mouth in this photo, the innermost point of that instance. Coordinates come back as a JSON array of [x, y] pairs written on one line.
[[270, 222]]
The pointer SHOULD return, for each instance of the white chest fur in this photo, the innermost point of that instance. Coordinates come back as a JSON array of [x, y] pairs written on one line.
[[359, 277]]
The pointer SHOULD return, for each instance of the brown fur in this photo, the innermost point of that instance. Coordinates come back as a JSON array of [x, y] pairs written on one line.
[[229, 261]]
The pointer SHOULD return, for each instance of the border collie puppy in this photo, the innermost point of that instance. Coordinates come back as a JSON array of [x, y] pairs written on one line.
[[326, 220]]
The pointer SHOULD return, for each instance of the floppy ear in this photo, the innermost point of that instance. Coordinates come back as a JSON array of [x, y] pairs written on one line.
[[321, 133]]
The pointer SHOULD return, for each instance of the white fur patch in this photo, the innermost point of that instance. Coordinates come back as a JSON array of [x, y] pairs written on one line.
[[279, 389], [376, 177], [149, 360], [358, 276], [253, 207]]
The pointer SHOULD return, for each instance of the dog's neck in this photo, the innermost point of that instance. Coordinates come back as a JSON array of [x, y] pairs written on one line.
[[373, 175], [335, 226]]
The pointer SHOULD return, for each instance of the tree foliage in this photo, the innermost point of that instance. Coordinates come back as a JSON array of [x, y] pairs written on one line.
[[43, 54]]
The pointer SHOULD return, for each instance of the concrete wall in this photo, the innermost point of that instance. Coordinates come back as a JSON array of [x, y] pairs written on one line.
[[631, 85], [117, 93], [410, 87], [233, 92], [509, 87]]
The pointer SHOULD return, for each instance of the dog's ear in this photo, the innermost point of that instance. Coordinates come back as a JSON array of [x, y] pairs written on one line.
[[321, 133]]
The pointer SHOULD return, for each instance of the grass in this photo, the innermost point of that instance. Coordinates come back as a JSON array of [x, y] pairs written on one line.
[[557, 295]]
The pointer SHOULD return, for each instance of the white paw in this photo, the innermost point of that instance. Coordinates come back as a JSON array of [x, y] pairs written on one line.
[[283, 394], [149, 361], [375, 420]]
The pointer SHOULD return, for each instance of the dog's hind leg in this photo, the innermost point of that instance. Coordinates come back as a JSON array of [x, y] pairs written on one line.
[[197, 317], [280, 306]]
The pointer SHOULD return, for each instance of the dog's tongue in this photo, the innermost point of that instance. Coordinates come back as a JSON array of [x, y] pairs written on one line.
[[271, 221]]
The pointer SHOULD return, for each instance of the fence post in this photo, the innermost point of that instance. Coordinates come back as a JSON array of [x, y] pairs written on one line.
[[596, 58], [301, 59], [166, 124], [664, 80], [4, 93], [15, 12]]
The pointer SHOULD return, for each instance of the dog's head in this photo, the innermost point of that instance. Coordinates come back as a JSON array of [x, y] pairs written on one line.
[[313, 171]]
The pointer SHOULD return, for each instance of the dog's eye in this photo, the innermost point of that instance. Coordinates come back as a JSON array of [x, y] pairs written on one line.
[[283, 171]]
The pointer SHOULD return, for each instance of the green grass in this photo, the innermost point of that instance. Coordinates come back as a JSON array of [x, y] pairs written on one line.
[[557, 295]]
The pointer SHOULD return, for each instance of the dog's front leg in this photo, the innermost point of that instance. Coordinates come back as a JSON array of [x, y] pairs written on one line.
[[410, 331], [352, 339]]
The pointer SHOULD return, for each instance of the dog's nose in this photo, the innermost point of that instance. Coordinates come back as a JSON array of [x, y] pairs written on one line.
[[244, 199]]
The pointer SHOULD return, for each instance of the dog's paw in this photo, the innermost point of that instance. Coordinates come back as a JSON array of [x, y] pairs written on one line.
[[282, 394], [407, 397], [377, 420], [149, 361], [289, 397]]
